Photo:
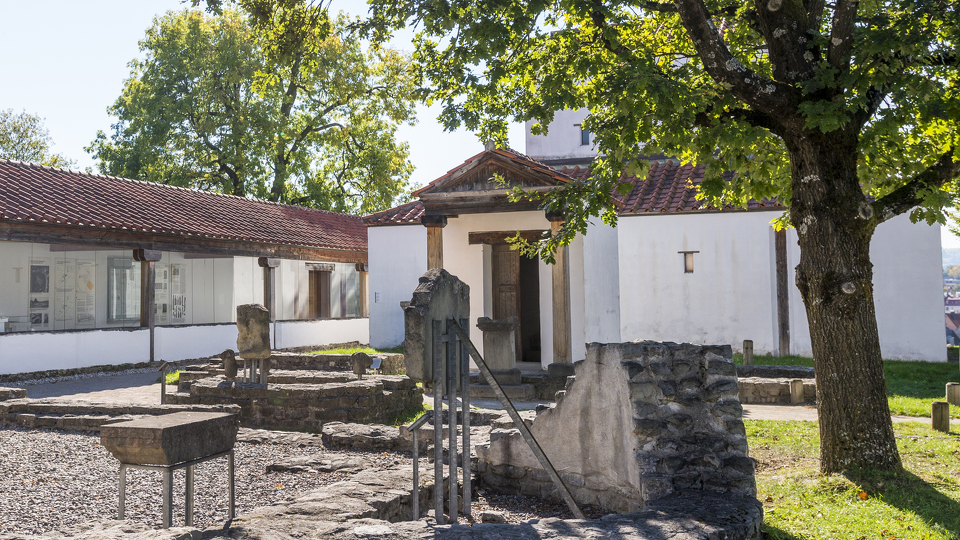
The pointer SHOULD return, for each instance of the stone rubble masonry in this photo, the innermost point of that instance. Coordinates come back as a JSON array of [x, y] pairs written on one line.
[[253, 326], [12, 393], [305, 404], [438, 295], [81, 415], [639, 422], [762, 390]]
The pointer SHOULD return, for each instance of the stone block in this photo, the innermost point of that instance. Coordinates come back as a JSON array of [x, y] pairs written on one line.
[[253, 326], [499, 342], [438, 296], [170, 438], [509, 377], [561, 371]]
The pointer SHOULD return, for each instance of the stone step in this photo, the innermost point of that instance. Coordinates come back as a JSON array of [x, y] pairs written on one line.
[[524, 392]]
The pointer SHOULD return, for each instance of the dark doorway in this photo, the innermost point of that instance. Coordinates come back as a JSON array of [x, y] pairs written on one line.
[[319, 294], [516, 292]]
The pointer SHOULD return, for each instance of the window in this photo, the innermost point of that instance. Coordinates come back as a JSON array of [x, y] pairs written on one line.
[[319, 290], [584, 135], [688, 261], [123, 290]]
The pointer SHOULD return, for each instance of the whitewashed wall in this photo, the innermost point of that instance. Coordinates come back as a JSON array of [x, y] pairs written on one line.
[[397, 257], [321, 332], [601, 270], [562, 139], [731, 295]]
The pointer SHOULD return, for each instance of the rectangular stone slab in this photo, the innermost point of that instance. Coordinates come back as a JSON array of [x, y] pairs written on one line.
[[170, 438]]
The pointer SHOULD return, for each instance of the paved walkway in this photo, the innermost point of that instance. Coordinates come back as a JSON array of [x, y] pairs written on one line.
[[143, 389]]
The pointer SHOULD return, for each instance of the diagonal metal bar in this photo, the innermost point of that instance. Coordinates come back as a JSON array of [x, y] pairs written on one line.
[[515, 416]]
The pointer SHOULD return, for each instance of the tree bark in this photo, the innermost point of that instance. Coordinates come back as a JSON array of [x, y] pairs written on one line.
[[835, 224]]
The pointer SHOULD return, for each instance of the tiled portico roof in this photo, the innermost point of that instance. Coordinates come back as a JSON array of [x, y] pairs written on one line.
[[43, 195], [669, 187]]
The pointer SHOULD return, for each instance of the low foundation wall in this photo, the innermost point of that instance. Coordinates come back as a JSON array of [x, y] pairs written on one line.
[[638, 422], [761, 390], [306, 407]]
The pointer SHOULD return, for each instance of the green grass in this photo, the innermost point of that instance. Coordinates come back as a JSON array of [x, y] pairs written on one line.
[[408, 416], [799, 503], [172, 377], [396, 350], [912, 387]]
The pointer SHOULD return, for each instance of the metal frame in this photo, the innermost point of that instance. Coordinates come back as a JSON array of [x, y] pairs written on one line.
[[446, 365], [167, 472]]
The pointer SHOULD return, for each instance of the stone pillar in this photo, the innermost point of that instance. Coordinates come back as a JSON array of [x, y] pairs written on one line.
[[500, 348], [940, 417], [363, 269], [148, 279], [562, 353], [434, 225]]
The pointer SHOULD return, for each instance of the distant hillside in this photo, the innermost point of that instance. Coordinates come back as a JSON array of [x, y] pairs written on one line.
[[951, 256]]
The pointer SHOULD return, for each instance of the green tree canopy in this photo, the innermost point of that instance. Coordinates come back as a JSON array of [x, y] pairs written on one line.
[[289, 109], [846, 111], [23, 137]]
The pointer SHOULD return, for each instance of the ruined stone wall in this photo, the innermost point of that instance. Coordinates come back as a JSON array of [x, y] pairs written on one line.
[[761, 390], [306, 407], [640, 421]]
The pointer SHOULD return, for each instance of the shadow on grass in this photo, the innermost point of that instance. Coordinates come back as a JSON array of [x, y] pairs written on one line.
[[910, 493], [776, 533]]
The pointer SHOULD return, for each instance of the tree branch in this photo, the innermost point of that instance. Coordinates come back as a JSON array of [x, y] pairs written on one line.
[[750, 116], [841, 33], [908, 196], [761, 93]]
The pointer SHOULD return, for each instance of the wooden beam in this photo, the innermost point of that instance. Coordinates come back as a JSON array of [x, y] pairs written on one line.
[[500, 237], [15, 231], [434, 247], [562, 353], [783, 292], [269, 265], [148, 280]]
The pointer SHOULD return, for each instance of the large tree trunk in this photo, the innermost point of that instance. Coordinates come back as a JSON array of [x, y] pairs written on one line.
[[835, 277]]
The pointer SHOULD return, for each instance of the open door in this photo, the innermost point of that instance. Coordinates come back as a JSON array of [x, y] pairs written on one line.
[[516, 293]]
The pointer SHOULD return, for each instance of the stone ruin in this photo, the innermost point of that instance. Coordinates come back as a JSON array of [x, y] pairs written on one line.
[[294, 391], [639, 422]]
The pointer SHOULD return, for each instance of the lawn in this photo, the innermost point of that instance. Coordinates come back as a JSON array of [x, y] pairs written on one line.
[[911, 386], [799, 503]]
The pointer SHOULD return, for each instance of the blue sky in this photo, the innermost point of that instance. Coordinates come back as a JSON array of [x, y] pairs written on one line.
[[66, 62]]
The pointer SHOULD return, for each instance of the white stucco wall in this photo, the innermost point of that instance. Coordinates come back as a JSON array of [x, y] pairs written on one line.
[[397, 256], [731, 295], [562, 139], [321, 332], [601, 270]]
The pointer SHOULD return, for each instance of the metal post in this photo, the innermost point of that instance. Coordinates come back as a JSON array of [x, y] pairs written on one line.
[[123, 491], [416, 476], [163, 382], [465, 407], [438, 421], [188, 496], [452, 417], [232, 497], [167, 495]]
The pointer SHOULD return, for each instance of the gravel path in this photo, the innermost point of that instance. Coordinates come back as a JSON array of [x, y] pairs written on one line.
[[51, 479]]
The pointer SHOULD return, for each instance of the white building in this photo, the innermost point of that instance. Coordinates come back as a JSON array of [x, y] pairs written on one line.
[[670, 270], [73, 289]]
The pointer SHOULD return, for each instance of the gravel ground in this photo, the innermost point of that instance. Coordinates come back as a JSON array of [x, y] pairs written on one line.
[[50, 380], [50, 479]]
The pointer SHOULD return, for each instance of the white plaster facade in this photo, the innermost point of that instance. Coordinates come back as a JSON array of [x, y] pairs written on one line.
[[563, 139]]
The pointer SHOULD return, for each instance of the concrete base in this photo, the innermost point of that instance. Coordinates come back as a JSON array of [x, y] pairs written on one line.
[[560, 370], [523, 392], [510, 377]]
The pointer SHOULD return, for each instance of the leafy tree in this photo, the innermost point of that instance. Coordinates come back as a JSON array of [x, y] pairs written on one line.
[[846, 111], [24, 138], [303, 117], [952, 271]]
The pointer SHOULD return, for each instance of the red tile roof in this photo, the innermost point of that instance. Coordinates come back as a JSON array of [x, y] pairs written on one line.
[[404, 214], [668, 187], [512, 155], [37, 194]]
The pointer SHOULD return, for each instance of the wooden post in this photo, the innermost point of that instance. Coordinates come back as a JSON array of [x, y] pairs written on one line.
[[269, 264], [434, 225], [953, 393], [783, 292], [796, 391], [562, 353], [148, 279], [364, 308], [941, 416], [748, 352]]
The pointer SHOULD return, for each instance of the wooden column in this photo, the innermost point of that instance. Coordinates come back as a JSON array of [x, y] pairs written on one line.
[[148, 278], [783, 292], [434, 225], [364, 302], [269, 284], [562, 353]]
